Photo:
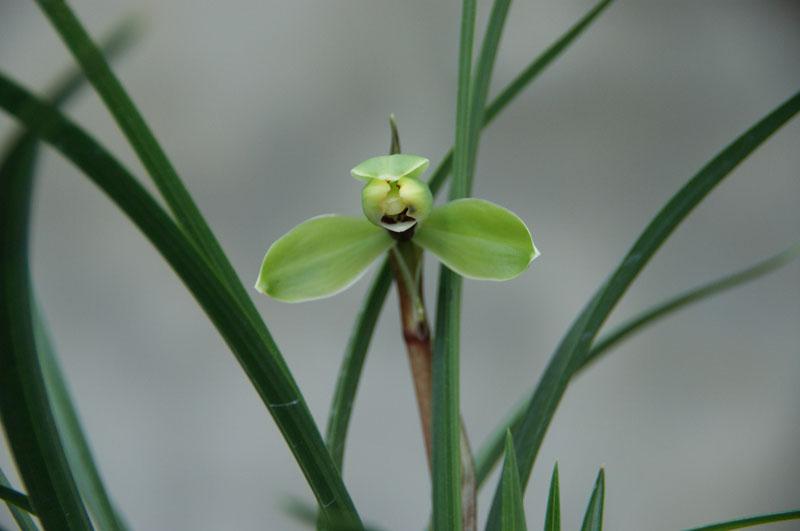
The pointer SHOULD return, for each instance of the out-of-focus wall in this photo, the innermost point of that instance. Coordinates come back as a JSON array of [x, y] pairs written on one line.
[[264, 107]]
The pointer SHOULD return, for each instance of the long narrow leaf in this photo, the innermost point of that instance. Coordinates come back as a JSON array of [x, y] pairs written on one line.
[[552, 515], [749, 522], [513, 516], [351, 363], [446, 436], [16, 498], [76, 447], [491, 450], [21, 516], [671, 305], [482, 77], [97, 71], [350, 372], [519, 83], [593, 519], [257, 354], [24, 405], [573, 347]]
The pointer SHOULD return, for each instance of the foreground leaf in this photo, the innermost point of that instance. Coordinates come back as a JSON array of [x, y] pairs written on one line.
[[321, 257], [552, 517], [24, 405], [478, 239], [248, 339], [751, 521], [513, 512], [593, 520], [492, 448], [576, 342], [21, 516]]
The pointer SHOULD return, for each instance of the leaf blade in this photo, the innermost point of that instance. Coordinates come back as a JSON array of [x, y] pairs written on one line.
[[513, 516], [491, 449], [24, 406], [552, 518], [576, 342], [750, 521], [593, 519], [251, 344]]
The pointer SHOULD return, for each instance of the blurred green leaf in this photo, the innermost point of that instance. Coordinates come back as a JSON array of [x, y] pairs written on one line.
[[477, 239], [751, 521], [552, 517], [513, 516], [21, 516], [678, 302], [513, 89], [24, 405], [321, 257], [576, 342], [481, 80], [593, 520], [489, 452], [15, 498], [75, 447], [353, 362], [249, 341]]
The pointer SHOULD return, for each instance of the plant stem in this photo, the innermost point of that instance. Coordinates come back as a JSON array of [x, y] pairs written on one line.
[[406, 261]]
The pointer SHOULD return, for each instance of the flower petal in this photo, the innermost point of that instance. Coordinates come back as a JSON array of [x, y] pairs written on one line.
[[478, 239], [390, 167], [321, 257]]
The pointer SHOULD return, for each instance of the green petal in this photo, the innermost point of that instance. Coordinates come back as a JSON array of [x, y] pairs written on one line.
[[478, 239], [390, 167], [321, 257]]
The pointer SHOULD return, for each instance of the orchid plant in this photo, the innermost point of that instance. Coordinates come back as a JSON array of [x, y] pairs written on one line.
[[61, 487]]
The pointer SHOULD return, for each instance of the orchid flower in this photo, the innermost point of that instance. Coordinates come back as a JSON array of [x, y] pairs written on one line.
[[326, 254]]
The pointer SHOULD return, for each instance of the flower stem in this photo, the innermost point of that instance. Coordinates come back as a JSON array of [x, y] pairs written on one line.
[[406, 261]]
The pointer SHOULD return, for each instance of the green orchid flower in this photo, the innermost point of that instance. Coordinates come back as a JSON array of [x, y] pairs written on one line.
[[326, 254]]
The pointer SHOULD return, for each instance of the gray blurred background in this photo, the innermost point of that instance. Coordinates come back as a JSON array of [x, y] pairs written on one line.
[[264, 107]]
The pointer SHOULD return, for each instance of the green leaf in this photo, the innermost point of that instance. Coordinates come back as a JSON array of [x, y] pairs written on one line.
[[579, 337], [513, 89], [477, 239], [16, 498], [248, 339], [24, 405], [153, 158], [76, 447], [321, 257], [513, 515], [751, 521], [552, 517], [480, 83], [390, 167], [21, 515], [593, 520], [353, 362], [662, 309], [492, 448]]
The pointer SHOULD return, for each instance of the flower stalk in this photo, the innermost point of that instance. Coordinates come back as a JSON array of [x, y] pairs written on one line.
[[406, 264]]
